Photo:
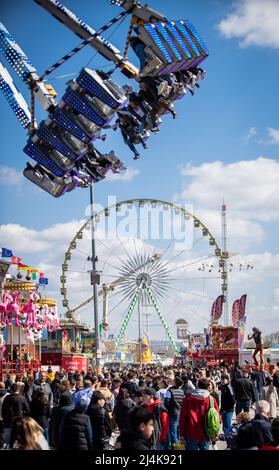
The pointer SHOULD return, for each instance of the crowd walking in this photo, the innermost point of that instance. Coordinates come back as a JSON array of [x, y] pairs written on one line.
[[144, 408]]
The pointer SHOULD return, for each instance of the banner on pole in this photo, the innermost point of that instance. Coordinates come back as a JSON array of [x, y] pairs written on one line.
[[235, 312], [241, 331], [217, 308], [242, 306]]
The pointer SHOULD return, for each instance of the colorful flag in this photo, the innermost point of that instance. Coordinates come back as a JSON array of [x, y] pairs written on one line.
[[6, 253], [235, 312], [242, 306], [43, 280], [23, 267], [15, 260], [34, 276]]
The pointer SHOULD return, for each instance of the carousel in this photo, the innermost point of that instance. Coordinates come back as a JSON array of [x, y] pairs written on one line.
[[26, 316]]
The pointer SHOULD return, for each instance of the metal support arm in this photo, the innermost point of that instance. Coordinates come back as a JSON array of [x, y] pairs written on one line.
[[84, 31], [156, 306]]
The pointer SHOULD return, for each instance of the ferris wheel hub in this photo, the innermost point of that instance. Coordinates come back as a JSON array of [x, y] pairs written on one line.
[[143, 280]]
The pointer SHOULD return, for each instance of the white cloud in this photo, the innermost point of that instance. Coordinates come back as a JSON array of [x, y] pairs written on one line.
[[30, 241], [127, 175], [251, 133], [274, 135], [276, 295], [10, 176], [242, 233], [255, 22], [249, 186]]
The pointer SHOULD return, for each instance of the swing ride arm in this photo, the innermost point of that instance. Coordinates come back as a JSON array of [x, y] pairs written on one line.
[[139, 12], [85, 32], [163, 321]]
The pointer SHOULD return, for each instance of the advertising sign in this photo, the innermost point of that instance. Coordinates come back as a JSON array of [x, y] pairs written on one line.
[[75, 363], [197, 341], [225, 337]]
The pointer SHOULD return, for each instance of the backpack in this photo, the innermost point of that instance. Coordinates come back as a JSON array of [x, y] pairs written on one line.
[[212, 421]]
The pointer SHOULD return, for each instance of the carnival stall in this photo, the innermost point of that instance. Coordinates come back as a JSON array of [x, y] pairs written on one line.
[[63, 347], [25, 316]]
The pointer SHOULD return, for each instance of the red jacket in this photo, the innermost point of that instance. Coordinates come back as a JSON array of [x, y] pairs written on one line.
[[192, 416], [270, 447], [164, 420]]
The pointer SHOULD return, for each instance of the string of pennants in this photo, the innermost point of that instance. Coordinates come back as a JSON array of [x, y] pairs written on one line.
[[7, 253]]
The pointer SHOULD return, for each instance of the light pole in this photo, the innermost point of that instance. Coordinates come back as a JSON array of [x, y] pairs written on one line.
[[95, 279]]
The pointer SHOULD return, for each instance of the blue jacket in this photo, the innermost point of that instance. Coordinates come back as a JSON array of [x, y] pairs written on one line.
[[82, 395]]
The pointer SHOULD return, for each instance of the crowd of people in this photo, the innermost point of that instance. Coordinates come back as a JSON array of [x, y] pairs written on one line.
[[146, 408]]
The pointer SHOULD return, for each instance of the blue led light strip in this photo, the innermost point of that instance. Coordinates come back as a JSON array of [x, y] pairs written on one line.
[[164, 33], [9, 95], [88, 82], [74, 100], [14, 55], [34, 151], [196, 35], [54, 141], [178, 39], [15, 59], [6, 38], [154, 35], [180, 26], [63, 120]]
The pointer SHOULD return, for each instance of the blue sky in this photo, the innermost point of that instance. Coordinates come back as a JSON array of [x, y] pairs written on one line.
[[232, 119]]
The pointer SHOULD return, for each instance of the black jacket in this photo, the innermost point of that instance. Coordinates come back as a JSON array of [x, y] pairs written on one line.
[[40, 412], [101, 426], [263, 425], [227, 398], [55, 388], [244, 389], [75, 432], [37, 385], [122, 412], [173, 404], [13, 406], [133, 441], [57, 415]]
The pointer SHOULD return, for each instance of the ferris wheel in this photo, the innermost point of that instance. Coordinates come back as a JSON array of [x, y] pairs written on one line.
[[148, 270]]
